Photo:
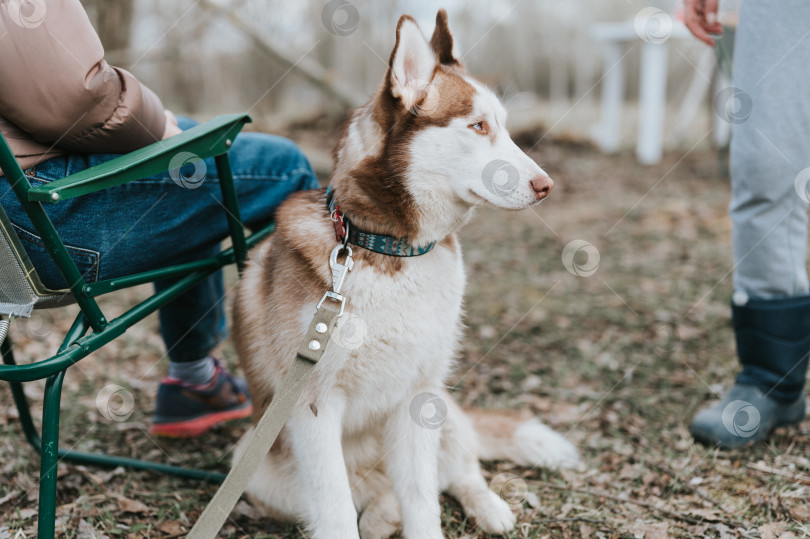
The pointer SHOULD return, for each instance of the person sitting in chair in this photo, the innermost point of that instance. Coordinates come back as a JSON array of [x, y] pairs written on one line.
[[64, 109]]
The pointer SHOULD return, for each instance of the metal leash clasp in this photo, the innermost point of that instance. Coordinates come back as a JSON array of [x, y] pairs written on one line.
[[339, 272]]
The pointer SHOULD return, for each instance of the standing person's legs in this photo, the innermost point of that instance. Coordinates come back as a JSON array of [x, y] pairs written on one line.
[[770, 147]]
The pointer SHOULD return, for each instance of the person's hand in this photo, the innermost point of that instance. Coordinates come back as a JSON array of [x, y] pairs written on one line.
[[171, 125], [700, 16]]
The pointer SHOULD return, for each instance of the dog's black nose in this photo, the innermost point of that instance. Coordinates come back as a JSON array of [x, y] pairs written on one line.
[[542, 185]]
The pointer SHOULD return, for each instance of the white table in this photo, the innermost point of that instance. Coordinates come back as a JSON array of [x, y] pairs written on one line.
[[615, 37]]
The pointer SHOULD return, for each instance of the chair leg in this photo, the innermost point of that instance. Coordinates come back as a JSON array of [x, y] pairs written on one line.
[[48, 444], [49, 456], [20, 399], [235, 225]]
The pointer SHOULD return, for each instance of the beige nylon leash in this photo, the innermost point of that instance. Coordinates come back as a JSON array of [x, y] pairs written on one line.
[[266, 431]]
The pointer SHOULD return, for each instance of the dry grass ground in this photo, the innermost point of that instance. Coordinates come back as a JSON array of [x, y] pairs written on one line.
[[619, 361]]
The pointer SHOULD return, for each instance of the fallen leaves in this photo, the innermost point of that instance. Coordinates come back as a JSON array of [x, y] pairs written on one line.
[[793, 476], [128, 505], [775, 530], [649, 530], [801, 512], [621, 385], [173, 528]]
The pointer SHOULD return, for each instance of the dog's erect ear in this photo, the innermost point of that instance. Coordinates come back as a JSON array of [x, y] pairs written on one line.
[[412, 63], [442, 40]]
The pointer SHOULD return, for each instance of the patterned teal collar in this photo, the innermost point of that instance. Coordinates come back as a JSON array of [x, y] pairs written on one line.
[[346, 232]]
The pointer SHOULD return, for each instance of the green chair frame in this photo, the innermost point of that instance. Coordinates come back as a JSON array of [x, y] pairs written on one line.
[[211, 139]]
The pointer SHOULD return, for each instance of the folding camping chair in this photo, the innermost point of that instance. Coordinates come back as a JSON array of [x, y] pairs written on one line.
[[21, 290]]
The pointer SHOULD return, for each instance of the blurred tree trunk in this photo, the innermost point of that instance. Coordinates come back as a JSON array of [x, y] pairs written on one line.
[[113, 23]]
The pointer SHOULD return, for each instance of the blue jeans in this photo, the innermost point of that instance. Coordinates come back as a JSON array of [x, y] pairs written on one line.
[[154, 222]]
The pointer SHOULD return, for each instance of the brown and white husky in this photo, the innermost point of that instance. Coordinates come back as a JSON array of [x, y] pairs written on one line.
[[358, 457]]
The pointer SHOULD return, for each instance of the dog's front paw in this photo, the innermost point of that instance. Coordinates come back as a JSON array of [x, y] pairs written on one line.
[[495, 516]]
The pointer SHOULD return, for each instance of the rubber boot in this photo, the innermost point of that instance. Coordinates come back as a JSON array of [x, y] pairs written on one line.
[[773, 345]]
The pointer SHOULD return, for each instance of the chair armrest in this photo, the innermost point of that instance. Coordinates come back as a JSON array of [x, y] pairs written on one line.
[[205, 140]]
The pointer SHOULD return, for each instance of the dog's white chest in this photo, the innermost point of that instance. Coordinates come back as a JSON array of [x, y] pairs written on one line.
[[399, 332]]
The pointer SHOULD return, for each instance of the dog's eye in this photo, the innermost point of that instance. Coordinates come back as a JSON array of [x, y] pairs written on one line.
[[479, 127]]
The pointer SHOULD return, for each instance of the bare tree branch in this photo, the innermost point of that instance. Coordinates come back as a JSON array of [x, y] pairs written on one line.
[[308, 68]]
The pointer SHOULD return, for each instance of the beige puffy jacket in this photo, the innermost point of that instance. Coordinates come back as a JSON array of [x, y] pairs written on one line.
[[58, 95]]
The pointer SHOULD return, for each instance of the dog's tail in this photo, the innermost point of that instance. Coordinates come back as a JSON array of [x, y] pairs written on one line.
[[509, 435]]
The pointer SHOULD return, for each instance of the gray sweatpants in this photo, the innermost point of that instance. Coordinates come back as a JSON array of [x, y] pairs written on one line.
[[770, 147]]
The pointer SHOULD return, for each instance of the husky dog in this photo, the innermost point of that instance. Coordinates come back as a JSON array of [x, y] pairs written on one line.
[[360, 456]]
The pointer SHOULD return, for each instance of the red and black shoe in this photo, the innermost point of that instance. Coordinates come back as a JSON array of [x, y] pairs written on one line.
[[183, 410]]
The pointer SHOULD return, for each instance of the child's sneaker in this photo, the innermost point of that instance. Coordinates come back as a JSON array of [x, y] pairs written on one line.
[[183, 410]]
